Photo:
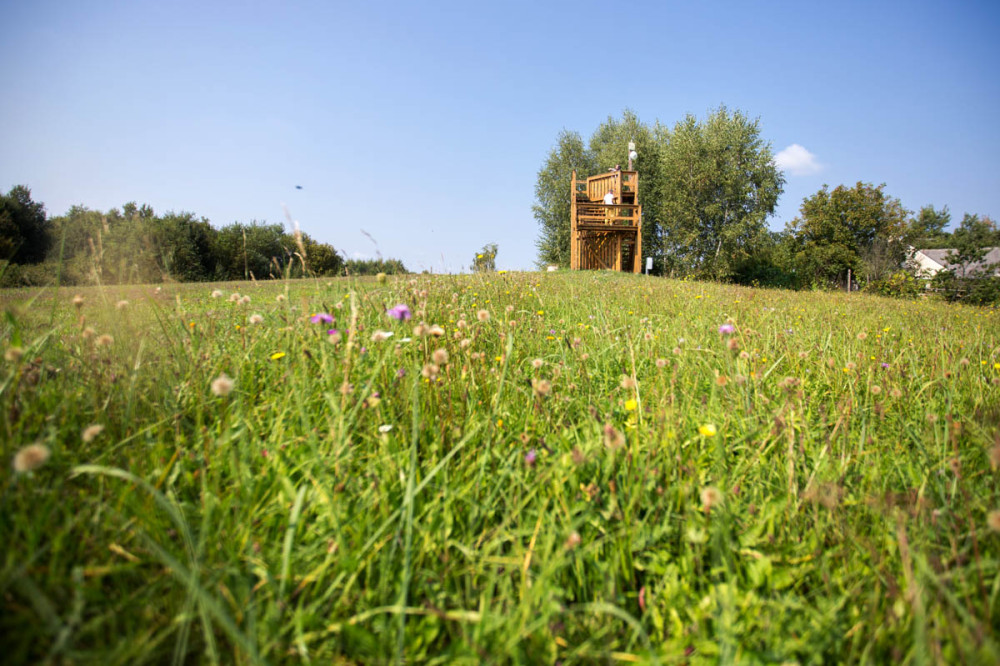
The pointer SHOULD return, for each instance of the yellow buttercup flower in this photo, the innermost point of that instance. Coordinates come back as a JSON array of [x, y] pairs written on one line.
[[276, 355], [630, 405], [707, 430]]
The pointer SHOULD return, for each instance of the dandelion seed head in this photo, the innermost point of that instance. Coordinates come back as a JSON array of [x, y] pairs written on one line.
[[256, 319], [541, 387], [436, 331], [104, 340], [710, 497], [216, 293], [440, 356], [661, 362], [121, 305], [613, 438], [483, 315], [222, 385], [245, 300], [78, 301], [572, 541]]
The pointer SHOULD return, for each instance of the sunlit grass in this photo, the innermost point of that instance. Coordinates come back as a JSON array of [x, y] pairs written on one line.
[[534, 467]]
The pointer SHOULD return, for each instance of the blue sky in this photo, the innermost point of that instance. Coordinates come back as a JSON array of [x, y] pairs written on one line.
[[425, 123]]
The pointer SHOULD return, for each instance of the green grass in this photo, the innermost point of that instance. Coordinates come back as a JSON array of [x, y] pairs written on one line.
[[339, 506]]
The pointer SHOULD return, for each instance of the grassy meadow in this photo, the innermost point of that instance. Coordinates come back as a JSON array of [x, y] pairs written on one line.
[[534, 468]]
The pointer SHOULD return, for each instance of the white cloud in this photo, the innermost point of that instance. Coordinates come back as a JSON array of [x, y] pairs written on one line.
[[797, 161]]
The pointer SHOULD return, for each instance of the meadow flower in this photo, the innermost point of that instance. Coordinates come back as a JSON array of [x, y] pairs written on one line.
[[876, 390], [707, 430], [31, 458], [572, 541], [436, 331], [530, 457], [91, 432], [78, 301], [276, 355], [400, 312], [628, 383], [245, 300], [661, 362], [88, 333], [726, 329], [464, 344], [732, 344], [430, 371], [13, 354], [216, 293], [321, 318], [104, 340], [631, 405], [222, 385], [993, 520], [385, 428], [710, 496], [279, 298], [676, 351], [537, 363], [256, 319], [333, 336], [862, 335], [440, 356], [234, 297], [721, 380], [381, 278], [483, 315], [541, 387], [613, 438], [381, 336]]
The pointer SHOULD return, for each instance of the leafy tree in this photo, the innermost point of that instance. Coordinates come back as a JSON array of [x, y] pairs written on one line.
[[552, 197], [485, 259], [24, 227], [257, 249], [374, 267], [322, 258], [972, 240], [927, 230], [848, 228], [720, 183]]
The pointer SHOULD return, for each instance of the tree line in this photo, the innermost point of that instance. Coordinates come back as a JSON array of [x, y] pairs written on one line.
[[707, 188], [135, 245]]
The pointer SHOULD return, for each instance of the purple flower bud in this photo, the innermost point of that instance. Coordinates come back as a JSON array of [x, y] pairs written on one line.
[[321, 317], [400, 313], [726, 329], [530, 457]]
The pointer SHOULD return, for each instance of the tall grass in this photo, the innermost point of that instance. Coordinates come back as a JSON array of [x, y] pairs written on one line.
[[598, 471]]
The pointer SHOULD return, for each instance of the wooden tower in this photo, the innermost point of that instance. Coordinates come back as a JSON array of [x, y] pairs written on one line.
[[606, 236]]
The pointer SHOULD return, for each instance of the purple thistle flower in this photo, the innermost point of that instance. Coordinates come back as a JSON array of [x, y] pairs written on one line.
[[332, 331], [726, 329], [321, 317], [530, 457], [400, 373], [400, 313], [885, 366]]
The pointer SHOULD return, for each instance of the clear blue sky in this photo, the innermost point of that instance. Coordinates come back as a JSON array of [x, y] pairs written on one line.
[[425, 123]]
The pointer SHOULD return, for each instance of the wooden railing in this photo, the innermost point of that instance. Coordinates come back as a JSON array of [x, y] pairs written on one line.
[[626, 215], [619, 182]]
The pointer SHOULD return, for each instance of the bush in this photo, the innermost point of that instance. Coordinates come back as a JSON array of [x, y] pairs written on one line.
[[898, 285]]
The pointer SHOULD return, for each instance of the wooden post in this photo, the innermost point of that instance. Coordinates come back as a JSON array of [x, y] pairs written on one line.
[[574, 260], [638, 241], [848, 280]]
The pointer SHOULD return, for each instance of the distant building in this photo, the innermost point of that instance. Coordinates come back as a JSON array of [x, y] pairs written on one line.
[[928, 263]]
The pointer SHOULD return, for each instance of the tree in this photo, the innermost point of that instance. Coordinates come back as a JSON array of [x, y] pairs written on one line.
[[24, 227], [485, 259], [927, 230], [857, 228], [972, 240], [552, 197], [719, 185]]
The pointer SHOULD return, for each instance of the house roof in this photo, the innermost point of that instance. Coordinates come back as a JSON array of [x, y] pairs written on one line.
[[941, 256]]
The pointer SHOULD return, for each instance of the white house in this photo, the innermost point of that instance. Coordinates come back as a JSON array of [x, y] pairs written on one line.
[[927, 263]]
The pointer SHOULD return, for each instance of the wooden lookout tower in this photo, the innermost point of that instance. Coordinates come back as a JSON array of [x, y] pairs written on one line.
[[606, 235]]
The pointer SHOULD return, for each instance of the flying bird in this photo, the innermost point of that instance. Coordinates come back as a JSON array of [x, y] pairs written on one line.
[[298, 187]]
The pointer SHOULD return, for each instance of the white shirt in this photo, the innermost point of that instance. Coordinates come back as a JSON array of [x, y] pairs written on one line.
[[609, 198]]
